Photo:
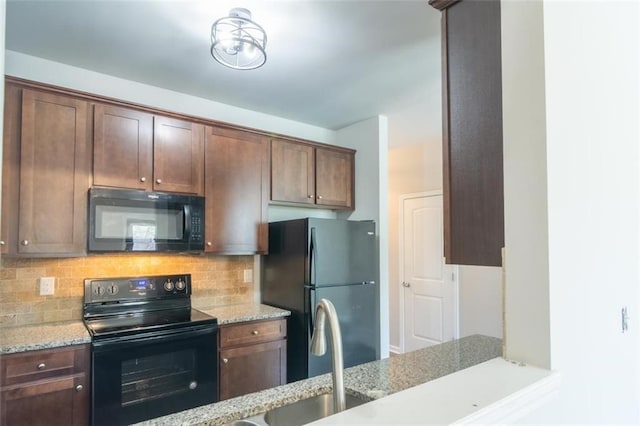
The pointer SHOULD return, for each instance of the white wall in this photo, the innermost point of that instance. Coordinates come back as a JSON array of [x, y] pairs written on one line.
[[369, 138], [480, 300], [591, 79], [525, 184], [45, 71]]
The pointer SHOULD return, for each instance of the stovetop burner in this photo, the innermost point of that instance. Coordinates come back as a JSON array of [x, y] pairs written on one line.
[[132, 305]]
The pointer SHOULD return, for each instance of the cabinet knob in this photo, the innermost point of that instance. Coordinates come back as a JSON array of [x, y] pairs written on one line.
[[24, 242], [1, 243], [143, 179], [158, 181], [310, 196], [79, 388], [209, 244], [41, 366], [319, 197], [254, 332], [225, 360]]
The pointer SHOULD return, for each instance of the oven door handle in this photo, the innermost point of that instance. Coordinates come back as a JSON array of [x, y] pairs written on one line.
[[141, 339]]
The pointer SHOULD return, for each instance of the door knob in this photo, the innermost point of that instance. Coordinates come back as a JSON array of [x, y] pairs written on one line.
[[406, 284]]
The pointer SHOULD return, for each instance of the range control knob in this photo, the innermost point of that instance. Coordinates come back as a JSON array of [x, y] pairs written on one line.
[[180, 285], [98, 290], [113, 289], [168, 285]]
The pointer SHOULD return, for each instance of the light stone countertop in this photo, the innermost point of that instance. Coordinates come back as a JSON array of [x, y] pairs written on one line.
[[42, 336], [230, 314], [368, 381]]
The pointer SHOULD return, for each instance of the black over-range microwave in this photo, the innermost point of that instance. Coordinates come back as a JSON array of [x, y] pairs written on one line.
[[122, 220]]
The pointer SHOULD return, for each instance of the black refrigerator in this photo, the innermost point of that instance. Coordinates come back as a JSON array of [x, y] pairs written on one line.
[[311, 259]]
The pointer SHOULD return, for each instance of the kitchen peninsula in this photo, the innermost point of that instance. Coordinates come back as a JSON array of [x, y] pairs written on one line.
[[370, 381]]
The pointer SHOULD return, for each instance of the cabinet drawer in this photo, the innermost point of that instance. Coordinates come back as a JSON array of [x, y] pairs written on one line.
[[37, 365], [252, 332]]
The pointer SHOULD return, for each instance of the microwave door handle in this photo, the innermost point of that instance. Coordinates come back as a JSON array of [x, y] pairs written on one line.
[[187, 221]]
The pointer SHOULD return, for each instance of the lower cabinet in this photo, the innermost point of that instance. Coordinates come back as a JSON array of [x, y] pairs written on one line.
[[253, 357], [46, 387]]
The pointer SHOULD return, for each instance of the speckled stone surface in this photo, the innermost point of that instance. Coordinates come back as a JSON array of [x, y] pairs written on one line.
[[244, 312], [44, 336], [368, 381]]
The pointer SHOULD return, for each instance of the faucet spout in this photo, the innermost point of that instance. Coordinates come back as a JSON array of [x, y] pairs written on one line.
[[326, 311]]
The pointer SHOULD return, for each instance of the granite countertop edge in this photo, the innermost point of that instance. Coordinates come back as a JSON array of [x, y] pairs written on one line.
[[22, 338], [368, 381]]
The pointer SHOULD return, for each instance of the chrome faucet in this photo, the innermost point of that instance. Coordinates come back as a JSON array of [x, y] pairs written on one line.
[[325, 309]]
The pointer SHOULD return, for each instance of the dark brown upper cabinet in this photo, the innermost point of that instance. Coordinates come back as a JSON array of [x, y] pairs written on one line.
[[237, 192], [472, 132], [137, 150], [46, 167], [303, 174]]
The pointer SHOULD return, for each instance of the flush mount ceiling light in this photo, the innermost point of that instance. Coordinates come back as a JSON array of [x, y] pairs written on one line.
[[238, 42]]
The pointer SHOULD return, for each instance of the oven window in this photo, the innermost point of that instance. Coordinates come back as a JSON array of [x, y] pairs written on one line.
[[157, 376], [141, 224]]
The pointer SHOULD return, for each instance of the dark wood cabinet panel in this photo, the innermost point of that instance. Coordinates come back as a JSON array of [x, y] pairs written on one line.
[[38, 386], [178, 156], [472, 133], [122, 147], [318, 176], [11, 169], [54, 174], [334, 178], [253, 357], [292, 172], [237, 192]]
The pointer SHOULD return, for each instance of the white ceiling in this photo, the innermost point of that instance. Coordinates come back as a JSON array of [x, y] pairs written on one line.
[[329, 63]]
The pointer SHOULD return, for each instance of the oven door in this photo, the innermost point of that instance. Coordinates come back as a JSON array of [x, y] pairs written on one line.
[[154, 374]]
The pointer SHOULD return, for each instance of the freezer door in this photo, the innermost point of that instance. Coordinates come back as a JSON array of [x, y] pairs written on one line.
[[356, 309], [342, 252]]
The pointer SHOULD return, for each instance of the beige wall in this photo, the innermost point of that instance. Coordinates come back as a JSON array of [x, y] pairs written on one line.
[[415, 168], [480, 300]]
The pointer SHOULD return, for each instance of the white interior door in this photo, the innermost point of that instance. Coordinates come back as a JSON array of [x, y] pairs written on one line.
[[429, 285]]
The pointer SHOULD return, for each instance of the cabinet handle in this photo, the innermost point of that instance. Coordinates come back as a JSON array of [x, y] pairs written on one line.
[[41, 366], [143, 179], [158, 181], [319, 197], [79, 388], [225, 360], [209, 244], [254, 332], [24, 242]]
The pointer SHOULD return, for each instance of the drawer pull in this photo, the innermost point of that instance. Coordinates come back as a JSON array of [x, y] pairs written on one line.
[[79, 388], [225, 360], [254, 332], [41, 366]]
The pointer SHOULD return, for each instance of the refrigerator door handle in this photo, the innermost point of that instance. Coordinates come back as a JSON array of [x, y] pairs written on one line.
[[312, 311], [313, 257]]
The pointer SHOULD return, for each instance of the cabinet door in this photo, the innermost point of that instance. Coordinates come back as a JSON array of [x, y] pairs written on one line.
[[178, 156], [236, 188], [292, 172], [334, 178], [63, 401], [122, 147], [252, 368], [472, 134], [11, 169], [54, 174]]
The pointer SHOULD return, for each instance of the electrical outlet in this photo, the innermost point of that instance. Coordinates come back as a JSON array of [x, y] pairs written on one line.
[[47, 286], [248, 275]]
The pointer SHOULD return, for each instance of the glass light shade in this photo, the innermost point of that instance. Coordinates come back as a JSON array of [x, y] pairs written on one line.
[[238, 42]]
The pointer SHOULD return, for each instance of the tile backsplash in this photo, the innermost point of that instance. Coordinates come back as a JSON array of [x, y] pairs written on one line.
[[216, 280]]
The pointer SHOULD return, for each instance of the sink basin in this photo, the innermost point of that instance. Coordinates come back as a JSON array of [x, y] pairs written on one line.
[[306, 410]]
